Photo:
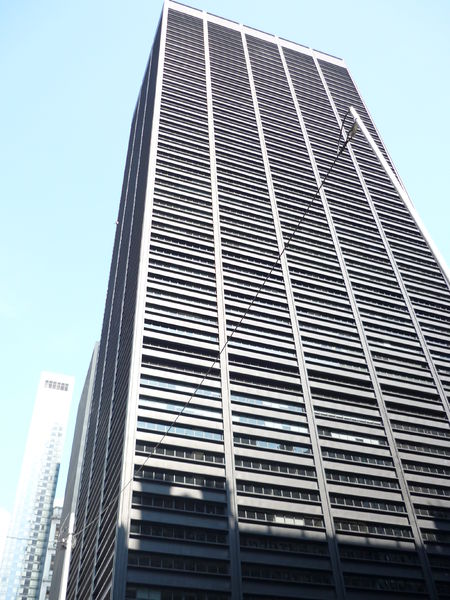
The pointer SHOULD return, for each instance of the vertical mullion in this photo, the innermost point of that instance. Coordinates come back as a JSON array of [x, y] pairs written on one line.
[[312, 425], [358, 322], [230, 478], [402, 478]]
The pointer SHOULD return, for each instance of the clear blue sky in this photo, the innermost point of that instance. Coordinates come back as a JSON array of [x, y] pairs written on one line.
[[70, 74]]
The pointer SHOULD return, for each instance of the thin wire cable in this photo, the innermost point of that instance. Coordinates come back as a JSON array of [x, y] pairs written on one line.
[[211, 367], [61, 528], [25, 539]]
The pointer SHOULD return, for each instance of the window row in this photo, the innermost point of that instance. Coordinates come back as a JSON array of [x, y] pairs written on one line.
[[285, 574], [279, 492], [366, 503], [179, 430], [196, 455], [343, 477], [279, 518], [176, 532], [177, 563], [343, 526], [274, 467]]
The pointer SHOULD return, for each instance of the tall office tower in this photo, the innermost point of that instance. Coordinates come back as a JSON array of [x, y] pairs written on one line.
[[24, 555], [311, 459]]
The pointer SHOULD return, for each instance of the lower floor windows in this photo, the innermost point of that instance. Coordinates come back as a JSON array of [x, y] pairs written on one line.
[[178, 532], [371, 528], [287, 574], [429, 490], [146, 593], [274, 467], [436, 536], [264, 402], [271, 445], [356, 457], [388, 584], [185, 387], [279, 492], [439, 561], [279, 517], [179, 477], [179, 503], [146, 402], [283, 425], [177, 563], [378, 555], [435, 469], [177, 452], [433, 512], [366, 503], [203, 434], [346, 437], [274, 543], [361, 479]]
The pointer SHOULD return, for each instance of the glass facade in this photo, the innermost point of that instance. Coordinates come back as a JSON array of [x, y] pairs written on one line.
[[24, 559], [270, 414]]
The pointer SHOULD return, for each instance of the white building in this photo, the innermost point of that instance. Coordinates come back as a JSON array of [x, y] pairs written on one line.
[[47, 571], [24, 554]]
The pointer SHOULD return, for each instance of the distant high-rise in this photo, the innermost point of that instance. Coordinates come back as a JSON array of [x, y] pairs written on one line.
[[312, 459], [24, 555]]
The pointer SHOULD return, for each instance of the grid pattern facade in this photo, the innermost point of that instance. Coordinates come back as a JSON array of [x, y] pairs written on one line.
[[23, 563], [313, 459]]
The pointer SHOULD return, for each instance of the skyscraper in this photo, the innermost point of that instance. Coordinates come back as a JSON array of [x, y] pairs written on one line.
[[24, 555], [270, 411]]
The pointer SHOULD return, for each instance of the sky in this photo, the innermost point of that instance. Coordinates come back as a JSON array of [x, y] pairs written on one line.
[[70, 73]]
